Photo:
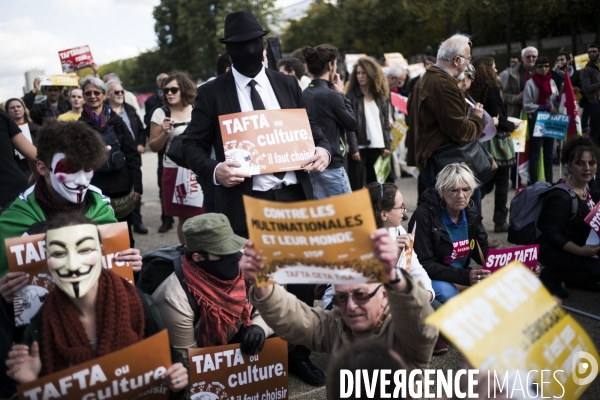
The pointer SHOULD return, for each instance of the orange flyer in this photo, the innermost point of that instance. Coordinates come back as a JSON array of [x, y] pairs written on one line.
[[267, 141], [315, 241]]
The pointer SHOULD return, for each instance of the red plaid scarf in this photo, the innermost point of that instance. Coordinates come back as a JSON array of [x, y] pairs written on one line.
[[222, 303]]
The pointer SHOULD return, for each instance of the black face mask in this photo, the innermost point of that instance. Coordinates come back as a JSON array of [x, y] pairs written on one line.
[[225, 269], [247, 56]]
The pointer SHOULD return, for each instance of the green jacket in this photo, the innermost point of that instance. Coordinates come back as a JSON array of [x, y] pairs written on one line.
[[25, 211]]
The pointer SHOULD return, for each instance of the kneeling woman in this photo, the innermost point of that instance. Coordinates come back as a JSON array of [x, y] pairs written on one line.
[[563, 250], [86, 317], [450, 232]]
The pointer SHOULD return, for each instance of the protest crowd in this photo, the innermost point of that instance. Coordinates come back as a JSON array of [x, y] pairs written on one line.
[[78, 168]]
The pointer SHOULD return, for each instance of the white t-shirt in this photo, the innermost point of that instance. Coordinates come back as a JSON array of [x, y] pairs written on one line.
[[374, 129], [416, 269], [158, 117]]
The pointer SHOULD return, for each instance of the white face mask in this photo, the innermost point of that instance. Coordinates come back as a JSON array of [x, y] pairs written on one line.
[[68, 181], [74, 258]]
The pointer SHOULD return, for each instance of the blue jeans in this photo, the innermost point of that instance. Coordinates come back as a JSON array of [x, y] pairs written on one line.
[[331, 182], [444, 291]]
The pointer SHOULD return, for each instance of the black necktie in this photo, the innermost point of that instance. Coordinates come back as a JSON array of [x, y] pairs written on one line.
[[258, 104]]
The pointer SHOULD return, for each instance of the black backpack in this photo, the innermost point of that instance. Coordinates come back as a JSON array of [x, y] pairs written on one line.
[[158, 265], [525, 210]]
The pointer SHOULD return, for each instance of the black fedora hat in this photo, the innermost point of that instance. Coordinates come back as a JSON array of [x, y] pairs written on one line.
[[241, 26]]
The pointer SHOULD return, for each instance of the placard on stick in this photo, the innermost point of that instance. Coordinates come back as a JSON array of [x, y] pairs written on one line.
[[135, 372], [509, 322], [76, 58], [315, 241], [224, 372], [267, 141], [28, 254]]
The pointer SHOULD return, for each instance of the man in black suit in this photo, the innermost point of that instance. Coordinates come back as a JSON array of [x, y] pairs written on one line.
[[249, 86]]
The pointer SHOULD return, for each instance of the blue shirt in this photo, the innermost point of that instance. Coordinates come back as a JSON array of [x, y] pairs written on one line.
[[459, 235]]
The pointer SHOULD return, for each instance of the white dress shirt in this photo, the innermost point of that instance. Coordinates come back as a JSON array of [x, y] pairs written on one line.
[[262, 182]]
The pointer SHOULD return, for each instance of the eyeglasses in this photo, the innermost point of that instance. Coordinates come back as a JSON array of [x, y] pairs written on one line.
[[359, 297], [118, 92], [543, 66], [173, 90], [402, 207], [94, 92], [531, 56], [468, 58]]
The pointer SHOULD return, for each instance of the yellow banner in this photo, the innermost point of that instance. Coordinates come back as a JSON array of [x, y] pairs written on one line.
[[519, 135], [399, 129], [510, 323], [61, 80], [315, 241], [580, 61]]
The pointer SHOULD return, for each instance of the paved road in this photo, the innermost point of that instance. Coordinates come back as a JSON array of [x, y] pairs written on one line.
[[589, 302]]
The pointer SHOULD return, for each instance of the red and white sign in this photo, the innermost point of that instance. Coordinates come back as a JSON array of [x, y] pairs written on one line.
[[497, 259], [75, 58], [593, 219], [400, 102]]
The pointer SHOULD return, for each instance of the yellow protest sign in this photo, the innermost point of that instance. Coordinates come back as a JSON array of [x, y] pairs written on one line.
[[581, 60], [509, 323], [315, 241], [61, 80], [399, 129], [519, 135]]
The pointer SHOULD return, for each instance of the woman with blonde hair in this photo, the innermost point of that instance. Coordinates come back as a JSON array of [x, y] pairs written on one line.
[[368, 92], [449, 232]]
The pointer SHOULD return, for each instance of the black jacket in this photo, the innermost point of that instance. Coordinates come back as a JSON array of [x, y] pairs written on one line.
[[590, 81], [433, 243], [136, 124], [118, 183], [41, 111], [151, 104], [333, 112], [219, 97], [493, 104], [359, 135]]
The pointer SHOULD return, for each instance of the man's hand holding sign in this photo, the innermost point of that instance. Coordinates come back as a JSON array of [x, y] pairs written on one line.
[[317, 241], [267, 141]]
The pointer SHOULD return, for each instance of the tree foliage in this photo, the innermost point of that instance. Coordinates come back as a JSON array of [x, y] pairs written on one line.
[[414, 27]]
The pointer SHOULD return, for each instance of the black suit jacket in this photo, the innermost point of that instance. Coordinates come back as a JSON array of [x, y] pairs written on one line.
[[219, 97]]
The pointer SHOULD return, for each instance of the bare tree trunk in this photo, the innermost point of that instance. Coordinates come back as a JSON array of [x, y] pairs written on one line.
[[508, 31]]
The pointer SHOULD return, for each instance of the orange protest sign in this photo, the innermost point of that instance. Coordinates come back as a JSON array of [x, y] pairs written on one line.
[[315, 241], [267, 141], [28, 254], [132, 373], [224, 372]]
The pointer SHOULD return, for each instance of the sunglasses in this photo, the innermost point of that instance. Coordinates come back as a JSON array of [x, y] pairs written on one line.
[[118, 92], [94, 92], [173, 90], [359, 297]]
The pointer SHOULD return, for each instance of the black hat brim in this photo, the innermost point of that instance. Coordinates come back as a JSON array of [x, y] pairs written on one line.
[[243, 37]]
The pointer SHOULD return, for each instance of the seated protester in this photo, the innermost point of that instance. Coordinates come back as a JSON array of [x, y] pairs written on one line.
[[563, 250], [86, 317], [450, 232], [212, 275], [121, 177], [67, 153], [393, 314]]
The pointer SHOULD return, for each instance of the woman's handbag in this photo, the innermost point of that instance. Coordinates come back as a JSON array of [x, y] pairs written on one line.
[[472, 153]]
